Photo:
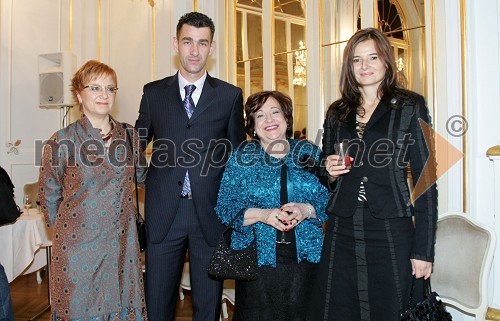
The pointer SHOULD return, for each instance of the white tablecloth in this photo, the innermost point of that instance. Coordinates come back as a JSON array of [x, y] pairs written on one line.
[[23, 243]]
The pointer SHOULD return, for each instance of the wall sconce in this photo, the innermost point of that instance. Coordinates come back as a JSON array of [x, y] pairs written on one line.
[[299, 68]]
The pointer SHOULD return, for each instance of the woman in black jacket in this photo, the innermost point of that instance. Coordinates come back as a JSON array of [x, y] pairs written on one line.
[[379, 236]]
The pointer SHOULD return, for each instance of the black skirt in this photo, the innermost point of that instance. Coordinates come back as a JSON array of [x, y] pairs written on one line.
[[279, 294], [365, 269]]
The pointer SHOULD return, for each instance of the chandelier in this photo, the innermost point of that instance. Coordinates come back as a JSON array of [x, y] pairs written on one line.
[[400, 63], [299, 68]]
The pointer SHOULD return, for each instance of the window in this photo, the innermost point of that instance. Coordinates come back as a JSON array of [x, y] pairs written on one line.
[[289, 52], [390, 22]]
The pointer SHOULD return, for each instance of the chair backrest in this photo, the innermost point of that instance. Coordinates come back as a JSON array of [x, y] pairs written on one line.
[[464, 253], [31, 189]]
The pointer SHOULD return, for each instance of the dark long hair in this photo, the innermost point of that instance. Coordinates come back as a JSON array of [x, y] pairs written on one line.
[[349, 87]]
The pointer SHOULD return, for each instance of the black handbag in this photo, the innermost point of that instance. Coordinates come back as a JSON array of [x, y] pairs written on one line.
[[227, 263], [142, 228], [142, 232], [9, 211], [430, 309]]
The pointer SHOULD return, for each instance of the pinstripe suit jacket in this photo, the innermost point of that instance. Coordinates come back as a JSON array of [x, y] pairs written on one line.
[[200, 144], [392, 140]]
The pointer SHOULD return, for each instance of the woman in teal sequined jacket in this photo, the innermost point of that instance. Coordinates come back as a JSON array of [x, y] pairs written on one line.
[[252, 183], [258, 186]]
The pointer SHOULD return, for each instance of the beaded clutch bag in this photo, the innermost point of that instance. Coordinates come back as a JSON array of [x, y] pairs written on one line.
[[227, 263]]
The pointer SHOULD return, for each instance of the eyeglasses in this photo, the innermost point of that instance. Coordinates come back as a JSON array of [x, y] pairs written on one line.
[[99, 89]]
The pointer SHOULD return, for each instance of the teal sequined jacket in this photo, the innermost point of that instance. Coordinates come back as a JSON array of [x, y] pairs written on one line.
[[252, 180]]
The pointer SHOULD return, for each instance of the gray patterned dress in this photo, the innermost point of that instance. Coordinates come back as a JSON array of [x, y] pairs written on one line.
[[86, 194]]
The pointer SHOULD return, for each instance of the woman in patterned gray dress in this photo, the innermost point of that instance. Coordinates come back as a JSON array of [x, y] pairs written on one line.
[[86, 183]]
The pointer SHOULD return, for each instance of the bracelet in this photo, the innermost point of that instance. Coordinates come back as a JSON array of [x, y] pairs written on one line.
[[309, 211]]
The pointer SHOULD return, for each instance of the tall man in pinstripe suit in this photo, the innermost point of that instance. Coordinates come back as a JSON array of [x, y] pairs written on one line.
[[193, 129]]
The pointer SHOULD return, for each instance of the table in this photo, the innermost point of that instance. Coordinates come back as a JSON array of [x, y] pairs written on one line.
[[23, 244]]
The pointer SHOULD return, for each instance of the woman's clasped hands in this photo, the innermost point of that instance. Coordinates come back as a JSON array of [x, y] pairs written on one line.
[[288, 215]]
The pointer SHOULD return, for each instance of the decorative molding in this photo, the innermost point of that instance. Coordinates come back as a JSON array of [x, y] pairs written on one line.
[[99, 15], [70, 25], [493, 314], [433, 61], [153, 39], [465, 139], [13, 147], [493, 151]]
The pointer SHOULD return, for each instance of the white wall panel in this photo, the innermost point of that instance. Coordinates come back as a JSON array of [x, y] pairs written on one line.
[[80, 33], [166, 22], [35, 30], [448, 96], [130, 53], [6, 70], [484, 93], [484, 117], [28, 29], [138, 55]]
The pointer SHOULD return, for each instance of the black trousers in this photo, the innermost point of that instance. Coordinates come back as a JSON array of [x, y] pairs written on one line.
[[164, 263]]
